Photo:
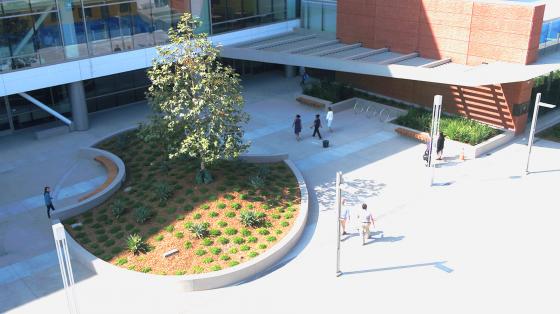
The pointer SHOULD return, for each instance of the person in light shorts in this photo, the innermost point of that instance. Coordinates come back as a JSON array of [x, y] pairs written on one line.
[[344, 217], [366, 219], [329, 118]]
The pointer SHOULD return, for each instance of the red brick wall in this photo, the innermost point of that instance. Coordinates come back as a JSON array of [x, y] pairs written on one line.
[[490, 104], [469, 32]]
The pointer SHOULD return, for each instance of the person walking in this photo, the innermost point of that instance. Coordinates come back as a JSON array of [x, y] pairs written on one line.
[[426, 155], [439, 145], [304, 79], [366, 219], [297, 127], [48, 200], [344, 217], [316, 125], [329, 118]]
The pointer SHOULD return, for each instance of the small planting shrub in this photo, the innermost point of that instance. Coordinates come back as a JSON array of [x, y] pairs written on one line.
[[221, 188], [229, 197], [252, 239], [263, 231], [109, 243], [245, 232], [215, 233], [199, 230], [223, 240], [284, 224], [230, 231], [213, 214], [117, 208], [262, 246], [142, 214], [216, 250], [230, 214], [221, 205], [195, 198], [253, 254], [215, 268], [276, 216], [222, 224], [278, 231], [207, 242], [146, 269], [225, 257], [252, 219], [205, 206], [212, 197], [233, 263], [135, 230], [163, 191], [238, 240], [200, 252], [265, 207], [159, 237], [233, 251], [188, 225], [121, 261], [153, 230], [136, 244], [243, 197], [197, 270], [187, 245], [169, 228], [180, 272], [188, 208], [288, 215], [244, 248], [179, 235], [250, 206], [236, 206], [256, 182], [197, 216], [180, 217], [271, 238], [207, 260]]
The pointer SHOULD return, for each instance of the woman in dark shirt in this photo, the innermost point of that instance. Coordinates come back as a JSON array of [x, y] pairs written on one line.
[[439, 145], [297, 126]]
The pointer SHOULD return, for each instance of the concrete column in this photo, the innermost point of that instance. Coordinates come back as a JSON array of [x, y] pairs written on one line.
[[79, 106], [289, 71]]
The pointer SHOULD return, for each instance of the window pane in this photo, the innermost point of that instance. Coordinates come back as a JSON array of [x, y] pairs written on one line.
[[199, 8]]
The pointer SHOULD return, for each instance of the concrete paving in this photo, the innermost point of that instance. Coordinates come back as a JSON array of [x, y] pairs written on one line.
[[482, 239]]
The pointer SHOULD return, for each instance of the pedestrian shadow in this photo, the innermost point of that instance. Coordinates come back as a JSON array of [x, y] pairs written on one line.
[[384, 239], [354, 192]]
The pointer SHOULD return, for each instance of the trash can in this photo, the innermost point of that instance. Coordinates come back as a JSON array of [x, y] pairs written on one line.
[[325, 143]]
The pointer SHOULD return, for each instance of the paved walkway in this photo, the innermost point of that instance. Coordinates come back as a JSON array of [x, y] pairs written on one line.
[[481, 240]]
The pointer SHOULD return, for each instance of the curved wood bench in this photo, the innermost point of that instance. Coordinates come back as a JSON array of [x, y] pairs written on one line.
[[417, 135], [112, 171], [310, 101]]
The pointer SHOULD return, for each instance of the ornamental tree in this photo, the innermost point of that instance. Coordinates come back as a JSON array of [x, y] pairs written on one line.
[[196, 100]]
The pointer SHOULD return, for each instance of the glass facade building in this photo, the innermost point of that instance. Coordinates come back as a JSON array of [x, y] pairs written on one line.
[[319, 15], [550, 31], [40, 32]]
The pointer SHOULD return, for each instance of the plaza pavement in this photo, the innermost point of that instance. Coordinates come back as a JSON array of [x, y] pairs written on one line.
[[482, 239]]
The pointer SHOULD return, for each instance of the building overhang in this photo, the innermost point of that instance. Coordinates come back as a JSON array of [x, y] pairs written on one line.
[[317, 50]]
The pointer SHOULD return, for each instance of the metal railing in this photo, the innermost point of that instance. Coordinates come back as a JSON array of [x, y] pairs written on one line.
[[372, 111]]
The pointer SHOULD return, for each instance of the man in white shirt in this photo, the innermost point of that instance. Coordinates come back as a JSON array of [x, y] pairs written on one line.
[[366, 219], [329, 118], [344, 217]]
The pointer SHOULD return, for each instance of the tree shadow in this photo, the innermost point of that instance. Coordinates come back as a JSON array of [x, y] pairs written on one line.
[[353, 191]]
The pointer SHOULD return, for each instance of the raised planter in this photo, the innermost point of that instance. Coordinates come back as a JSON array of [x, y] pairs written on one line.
[[471, 151]]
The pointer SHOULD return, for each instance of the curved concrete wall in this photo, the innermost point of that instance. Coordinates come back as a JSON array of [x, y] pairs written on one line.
[[95, 200]]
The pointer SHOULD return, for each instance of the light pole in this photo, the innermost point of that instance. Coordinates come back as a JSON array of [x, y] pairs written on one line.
[[538, 103], [436, 116], [65, 266], [338, 212]]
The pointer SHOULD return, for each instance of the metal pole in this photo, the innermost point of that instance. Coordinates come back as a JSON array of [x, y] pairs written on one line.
[[338, 211], [65, 266], [436, 116], [532, 132], [46, 108]]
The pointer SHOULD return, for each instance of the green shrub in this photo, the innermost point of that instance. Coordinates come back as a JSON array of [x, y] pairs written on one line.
[[180, 272], [256, 182], [195, 198], [263, 231], [251, 218], [271, 238], [200, 252], [250, 206], [180, 217], [245, 232], [230, 214], [216, 250], [163, 191], [115, 229], [199, 230], [197, 270], [142, 214], [121, 261], [213, 214], [252, 239], [253, 254], [215, 268], [222, 224], [109, 243], [233, 263], [207, 260], [215, 233], [188, 208], [276, 216], [188, 224], [136, 244], [262, 246], [179, 235], [238, 240], [197, 216], [236, 206], [187, 245], [244, 248], [229, 197], [225, 257], [159, 237], [288, 215], [278, 231], [233, 250], [243, 196], [223, 240], [117, 208], [205, 206], [230, 231], [265, 207], [284, 224], [207, 242], [221, 205], [146, 269], [212, 197], [169, 228]]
